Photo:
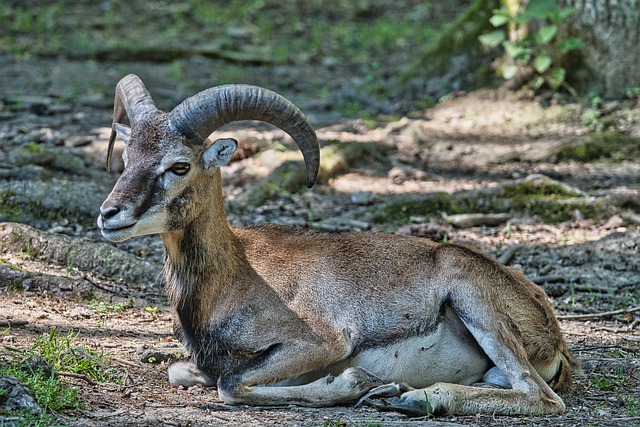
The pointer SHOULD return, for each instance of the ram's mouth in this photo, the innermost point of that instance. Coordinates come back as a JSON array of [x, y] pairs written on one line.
[[119, 233]]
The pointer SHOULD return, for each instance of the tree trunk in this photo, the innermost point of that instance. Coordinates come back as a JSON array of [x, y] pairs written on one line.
[[610, 58]]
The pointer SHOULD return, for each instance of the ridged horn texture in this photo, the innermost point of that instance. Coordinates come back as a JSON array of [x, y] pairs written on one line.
[[200, 115], [133, 100]]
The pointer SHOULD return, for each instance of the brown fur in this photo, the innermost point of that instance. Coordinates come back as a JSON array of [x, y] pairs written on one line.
[[307, 312]]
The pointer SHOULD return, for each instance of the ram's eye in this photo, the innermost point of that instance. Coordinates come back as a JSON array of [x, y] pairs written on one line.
[[180, 168]]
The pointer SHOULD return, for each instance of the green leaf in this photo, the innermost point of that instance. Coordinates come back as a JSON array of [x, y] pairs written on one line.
[[541, 8], [492, 39], [542, 63], [570, 43], [523, 18], [564, 13], [509, 71], [536, 82], [499, 20], [556, 77], [546, 34], [504, 10], [517, 51]]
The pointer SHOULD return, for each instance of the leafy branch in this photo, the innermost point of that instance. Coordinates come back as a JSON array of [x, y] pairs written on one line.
[[541, 50]]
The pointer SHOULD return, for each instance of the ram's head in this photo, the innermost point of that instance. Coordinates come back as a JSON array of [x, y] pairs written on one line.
[[170, 160]]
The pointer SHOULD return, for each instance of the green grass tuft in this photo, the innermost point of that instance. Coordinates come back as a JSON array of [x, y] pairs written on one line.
[[62, 355]]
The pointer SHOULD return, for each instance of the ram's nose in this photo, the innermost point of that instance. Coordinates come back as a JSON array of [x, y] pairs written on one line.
[[107, 212], [108, 217]]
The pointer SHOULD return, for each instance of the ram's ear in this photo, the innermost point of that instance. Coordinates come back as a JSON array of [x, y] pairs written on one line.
[[123, 131], [219, 153]]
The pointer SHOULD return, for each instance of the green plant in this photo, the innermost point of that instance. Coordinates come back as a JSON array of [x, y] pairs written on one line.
[[104, 309], [620, 386], [632, 405], [633, 92], [69, 261], [542, 50], [546, 200], [427, 406], [10, 208], [593, 112], [51, 394], [27, 252], [152, 311], [61, 353]]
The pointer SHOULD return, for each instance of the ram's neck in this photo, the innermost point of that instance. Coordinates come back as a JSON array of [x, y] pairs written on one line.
[[201, 260]]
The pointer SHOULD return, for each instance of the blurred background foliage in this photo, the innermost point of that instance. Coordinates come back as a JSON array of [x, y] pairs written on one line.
[[377, 41], [382, 56]]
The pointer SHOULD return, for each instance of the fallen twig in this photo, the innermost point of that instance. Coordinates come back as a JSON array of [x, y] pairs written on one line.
[[78, 376], [597, 315], [507, 255], [87, 277], [624, 419], [13, 323], [476, 220], [547, 279], [126, 362], [626, 329]]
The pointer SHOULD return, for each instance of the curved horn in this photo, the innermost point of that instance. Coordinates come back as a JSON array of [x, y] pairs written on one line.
[[132, 99], [197, 117]]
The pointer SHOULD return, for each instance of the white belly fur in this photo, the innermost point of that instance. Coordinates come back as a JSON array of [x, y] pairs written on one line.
[[448, 354]]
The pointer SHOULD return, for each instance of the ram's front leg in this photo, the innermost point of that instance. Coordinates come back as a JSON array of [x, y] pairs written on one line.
[[185, 373], [252, 383], [330, 390]]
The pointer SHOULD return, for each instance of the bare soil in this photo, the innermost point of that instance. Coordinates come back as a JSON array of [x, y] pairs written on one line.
[[590, 267]]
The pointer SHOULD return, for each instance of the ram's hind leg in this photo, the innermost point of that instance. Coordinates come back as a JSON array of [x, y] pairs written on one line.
[[489, 299], [445, 398]]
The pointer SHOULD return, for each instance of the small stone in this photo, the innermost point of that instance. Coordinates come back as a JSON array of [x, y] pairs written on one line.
[[158, 354], [363, 197], [614, 222], [476, 220], [79, 313], [37, 364], [397, 175], [57, 229], [16, 397]]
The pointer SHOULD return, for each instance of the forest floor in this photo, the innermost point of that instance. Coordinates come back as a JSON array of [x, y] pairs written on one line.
[[575, 230]]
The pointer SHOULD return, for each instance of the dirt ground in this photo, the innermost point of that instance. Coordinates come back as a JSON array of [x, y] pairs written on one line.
[[589, 267]]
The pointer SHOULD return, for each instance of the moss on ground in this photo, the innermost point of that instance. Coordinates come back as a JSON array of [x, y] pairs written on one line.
[[545, 199], [44, 202], [336, 158], [14, 208], [433, 205], [339, 157], [56, 158], [289, 177], [601, 146], [10, 209]]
